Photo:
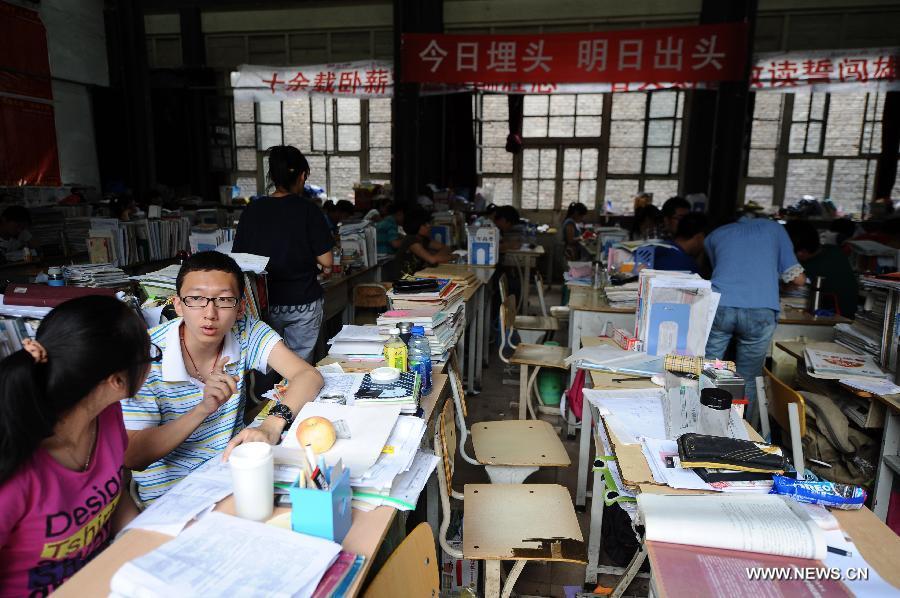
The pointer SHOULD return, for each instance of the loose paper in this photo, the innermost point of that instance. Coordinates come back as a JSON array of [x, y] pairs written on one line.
[[631, 413]]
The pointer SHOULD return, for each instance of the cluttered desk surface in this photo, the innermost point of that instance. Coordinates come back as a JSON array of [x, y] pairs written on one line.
[[589, 299], [877, 543]]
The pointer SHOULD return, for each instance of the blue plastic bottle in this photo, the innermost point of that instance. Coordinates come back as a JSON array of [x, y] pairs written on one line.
[[420, 357]]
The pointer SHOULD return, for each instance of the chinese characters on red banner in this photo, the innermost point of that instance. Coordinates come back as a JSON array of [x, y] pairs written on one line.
[[684, 55], [362, 79], [798, 70]]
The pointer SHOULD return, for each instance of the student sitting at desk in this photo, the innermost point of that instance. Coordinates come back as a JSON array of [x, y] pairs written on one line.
[[685, 248], [63, 487], [572, 227], [14, 235], [828, 262], [191, 408], [387, 231], [418, 250], [507, 219]]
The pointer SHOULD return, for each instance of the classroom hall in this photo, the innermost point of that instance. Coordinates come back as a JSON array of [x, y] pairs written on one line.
[[458, 298]]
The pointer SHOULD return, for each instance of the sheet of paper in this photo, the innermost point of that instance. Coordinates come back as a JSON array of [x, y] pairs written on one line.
[[207, 560], [250, 262], [406, 487], [876, 386], [662, 457], [369, 431], [187, 500], [632, 413], [397, 455], [873, 587], [359, 333], [331, 368], [344, 385], [764, 523]]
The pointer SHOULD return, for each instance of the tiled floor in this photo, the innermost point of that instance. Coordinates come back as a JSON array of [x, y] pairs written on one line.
[[493, 403]]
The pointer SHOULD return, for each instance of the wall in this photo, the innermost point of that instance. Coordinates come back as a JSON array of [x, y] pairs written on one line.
[[76, 43]]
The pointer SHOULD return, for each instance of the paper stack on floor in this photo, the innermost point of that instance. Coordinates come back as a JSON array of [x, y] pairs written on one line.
[[365, 343]]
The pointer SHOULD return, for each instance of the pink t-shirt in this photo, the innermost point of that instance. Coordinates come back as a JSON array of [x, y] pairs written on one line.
[[54, 520]]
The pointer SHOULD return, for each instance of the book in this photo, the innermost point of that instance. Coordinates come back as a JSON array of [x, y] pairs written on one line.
[[337, 573], [841, 364], [405, 392], [759, 523]]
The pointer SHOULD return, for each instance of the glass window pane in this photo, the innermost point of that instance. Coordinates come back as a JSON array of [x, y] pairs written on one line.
[[767, 106], [627, 133], [662, 103], [246, 159], [798, 139], [661, 189], [530, 163], [801, 107], [496, 160], [268, 136], [349, 138], [318, 138], [761, 194], [296, 124], [588, 126], [536, 105], [247, 185], [320, 106], [589, 104], [562, 105], [620, 194], [494, 133], [502, 189], [571, 163], [270, 112], [587, 194], [495, 107], [589, 158], [534, 126], [546, 194], [658, 160], [805, 177], [659, 132], [317, 170], [628, 105], [569, 192], [625, 161], [849, 182], [562, 126], [529, 194], [817, 106], [348, 110], [761, 163], [245, 134], [814, 138], [379, 134], [379, 160], [764, 133], [244, 112], [379, 110], [548, 164], [344, 173], [845, 118]]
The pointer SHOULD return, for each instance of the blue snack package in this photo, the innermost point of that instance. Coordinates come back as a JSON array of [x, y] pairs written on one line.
[[829, 494]]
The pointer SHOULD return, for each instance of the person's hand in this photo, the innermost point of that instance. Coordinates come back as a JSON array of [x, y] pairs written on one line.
[[220, 386], [261, 433]]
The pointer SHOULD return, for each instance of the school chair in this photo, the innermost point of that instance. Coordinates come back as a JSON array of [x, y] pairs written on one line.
[[539, 286], [525, 356], [411, 570], [369, 296], [543, 324], [788, 408], [509, 450], [512, 522]]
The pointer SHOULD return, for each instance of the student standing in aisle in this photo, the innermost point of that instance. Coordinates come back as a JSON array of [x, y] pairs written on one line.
[[191, 408], [293, 234], [748, 258], [63, 488]]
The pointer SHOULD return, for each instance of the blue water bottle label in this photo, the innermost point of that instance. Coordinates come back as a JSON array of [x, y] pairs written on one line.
[[423, 368]]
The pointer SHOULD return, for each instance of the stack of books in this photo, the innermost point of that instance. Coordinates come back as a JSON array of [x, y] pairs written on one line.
[[358, 343], [404, 392], [441, 313], [139, 241], [462, 275], [206, 237], [95, 275], [358, 246], [625, 295], [830, 365]]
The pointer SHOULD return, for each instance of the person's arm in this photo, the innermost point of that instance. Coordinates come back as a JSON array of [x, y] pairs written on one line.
[[791, 271], [571, 234], [326, 260], [431, 258], [126, 510], [149, 445], [305, 384], [396, 243]]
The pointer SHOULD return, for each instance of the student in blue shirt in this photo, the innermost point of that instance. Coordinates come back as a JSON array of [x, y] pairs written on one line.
[[749, 258], [685, 247]]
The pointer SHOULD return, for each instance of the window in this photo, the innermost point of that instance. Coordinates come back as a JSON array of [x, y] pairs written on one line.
[[330, 133], [494, 163], [817, 144]]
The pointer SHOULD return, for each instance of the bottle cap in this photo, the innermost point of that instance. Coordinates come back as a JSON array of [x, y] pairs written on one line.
[[417, 330], [715, 398], [394, 331]]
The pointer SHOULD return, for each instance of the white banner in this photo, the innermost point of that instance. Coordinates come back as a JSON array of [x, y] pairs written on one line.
[[866, 69], [360, 79]]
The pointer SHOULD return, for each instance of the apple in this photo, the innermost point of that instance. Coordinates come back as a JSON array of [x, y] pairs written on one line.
[[317, 431]]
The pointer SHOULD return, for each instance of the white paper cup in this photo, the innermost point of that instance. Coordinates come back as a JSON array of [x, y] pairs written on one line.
[[253, 473]]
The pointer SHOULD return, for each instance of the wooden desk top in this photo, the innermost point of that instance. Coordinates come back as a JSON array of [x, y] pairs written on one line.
[[793, 315], [536, 251], [589, 299], [336, 280], [362, 367], [365, 537]]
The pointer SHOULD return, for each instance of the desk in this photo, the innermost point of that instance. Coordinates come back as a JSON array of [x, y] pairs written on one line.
[[889, 455], [524, 260], [338, 291], [365, 537], [589, 313]]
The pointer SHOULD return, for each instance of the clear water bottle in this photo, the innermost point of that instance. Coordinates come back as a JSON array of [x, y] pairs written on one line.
[[420, 357]]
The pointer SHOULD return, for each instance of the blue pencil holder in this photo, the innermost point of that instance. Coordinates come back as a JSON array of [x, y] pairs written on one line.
[[323, 513]]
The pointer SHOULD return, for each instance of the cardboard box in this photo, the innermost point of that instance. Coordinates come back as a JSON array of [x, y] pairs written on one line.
[[483, 245]]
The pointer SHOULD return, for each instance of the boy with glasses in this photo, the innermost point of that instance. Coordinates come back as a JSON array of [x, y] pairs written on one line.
[[191, 408]]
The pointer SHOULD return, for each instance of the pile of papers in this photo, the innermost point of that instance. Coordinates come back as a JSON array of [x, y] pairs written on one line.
[[138, 241], [625, 295], [462, 275], [675, 312], [379, 446], [610, 358], [442, 315], [207, 238], [579, 274], [855, 336], [358, 245], [358, 343], [829, 365], [94, 275]]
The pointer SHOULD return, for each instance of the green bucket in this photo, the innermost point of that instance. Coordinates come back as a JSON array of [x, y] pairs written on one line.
[[550, 383]]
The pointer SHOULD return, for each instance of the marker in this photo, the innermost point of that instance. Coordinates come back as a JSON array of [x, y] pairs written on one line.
[[839, 551], [317, 477]]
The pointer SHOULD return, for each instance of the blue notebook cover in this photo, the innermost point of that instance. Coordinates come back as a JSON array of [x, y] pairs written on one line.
[[669, 324]]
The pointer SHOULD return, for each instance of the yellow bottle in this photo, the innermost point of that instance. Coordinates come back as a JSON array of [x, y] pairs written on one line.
[[395, 351]]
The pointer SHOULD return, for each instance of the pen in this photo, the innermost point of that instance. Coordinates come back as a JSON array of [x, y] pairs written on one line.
[[316, 477], [632, 379], [839, 551]]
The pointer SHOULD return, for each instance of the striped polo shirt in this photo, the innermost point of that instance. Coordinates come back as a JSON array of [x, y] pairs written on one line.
[[170, 392]]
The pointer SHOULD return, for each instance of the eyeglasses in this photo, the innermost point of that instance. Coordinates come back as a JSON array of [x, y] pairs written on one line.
[[198, 302]]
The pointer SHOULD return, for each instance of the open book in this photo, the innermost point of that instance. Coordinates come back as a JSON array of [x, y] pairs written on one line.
[[768, 523]]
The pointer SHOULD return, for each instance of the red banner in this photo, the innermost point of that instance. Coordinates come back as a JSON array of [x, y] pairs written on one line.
[[24, 66], [702, 53], [27, 143]]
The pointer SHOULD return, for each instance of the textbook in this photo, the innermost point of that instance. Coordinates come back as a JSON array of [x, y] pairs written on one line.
[[826, 363], [763, 523]]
